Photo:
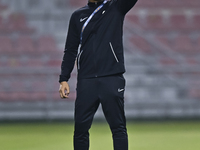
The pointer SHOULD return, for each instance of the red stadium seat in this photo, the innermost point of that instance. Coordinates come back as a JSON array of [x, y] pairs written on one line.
[[3, 7], [196, 21], [39, 85], [192, 61], [167, 61], [17, 23], [1, 24], [19, 84], [54, 62], [133, 18], [4, 96], [154, 22], [47, 44], [178, 22], [164, 40], [184, 44], [197, 46], [6, 45], [1, 20], [34, 96], [25, 44], [194, 93], [14, 96], [141, 44]]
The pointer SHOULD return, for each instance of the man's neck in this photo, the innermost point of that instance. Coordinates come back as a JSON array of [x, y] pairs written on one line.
[[95, 1]]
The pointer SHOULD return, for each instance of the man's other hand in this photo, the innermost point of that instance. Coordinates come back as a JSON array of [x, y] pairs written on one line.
[[64, 89]]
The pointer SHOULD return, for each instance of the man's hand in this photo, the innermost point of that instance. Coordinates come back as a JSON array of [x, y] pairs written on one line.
[[64, 89]]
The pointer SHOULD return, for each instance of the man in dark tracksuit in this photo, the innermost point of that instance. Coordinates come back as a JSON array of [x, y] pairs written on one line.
[[97, 27]]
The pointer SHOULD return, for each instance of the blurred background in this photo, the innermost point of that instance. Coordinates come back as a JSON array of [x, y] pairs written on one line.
[[162, 52], [162, 56]]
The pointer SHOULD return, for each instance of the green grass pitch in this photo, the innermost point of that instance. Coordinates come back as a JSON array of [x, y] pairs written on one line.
[[142, 136]]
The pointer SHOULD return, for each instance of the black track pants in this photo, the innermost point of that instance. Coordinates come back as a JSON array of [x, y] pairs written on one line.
[[109, 91]]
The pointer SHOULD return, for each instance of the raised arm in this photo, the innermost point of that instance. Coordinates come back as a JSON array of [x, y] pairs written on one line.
[[71, 49], [125, 5]]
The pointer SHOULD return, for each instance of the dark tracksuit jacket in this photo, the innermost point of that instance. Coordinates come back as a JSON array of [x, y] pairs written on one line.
[[101, 52]]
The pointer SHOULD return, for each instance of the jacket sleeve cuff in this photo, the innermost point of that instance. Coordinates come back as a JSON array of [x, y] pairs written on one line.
[[63, 78]]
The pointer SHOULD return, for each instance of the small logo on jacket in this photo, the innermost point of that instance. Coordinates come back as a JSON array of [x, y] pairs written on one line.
[[82, 19], [120, 90]]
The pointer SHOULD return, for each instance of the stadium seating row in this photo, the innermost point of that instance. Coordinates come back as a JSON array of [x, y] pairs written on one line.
[[160, 23], [152, 3], [182, 44], [33, 96], [27, 88], [25, 44], [168, 4], [30, 62], [15, 23], [3, 7]]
